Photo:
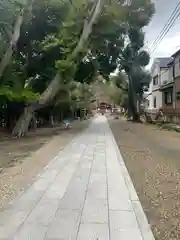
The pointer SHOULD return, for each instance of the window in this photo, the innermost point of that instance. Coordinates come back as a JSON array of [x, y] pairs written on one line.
[[154, 102], [155, 80], [168, 97]]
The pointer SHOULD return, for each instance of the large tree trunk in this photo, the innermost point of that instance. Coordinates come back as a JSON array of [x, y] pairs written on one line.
[[22, 125], [51, 119], [34, 121], [6, 60], [132, 99], [9, 52]]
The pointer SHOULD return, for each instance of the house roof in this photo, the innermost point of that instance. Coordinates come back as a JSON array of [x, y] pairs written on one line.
[[176, 53], [164, 62], [171, 62]]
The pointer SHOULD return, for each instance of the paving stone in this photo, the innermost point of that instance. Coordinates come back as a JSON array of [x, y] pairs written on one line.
[[93, 232], [11, 223], [58, 188], [119, 201], [43, 213], [130, 186], [98, 177], [126, 234], [64, 225], [121, 187], [142, 221], [75, 195], [48, 205], [97, 190], [74, 198], [118, 154], [121, 220], [95, 211], [31, 232]]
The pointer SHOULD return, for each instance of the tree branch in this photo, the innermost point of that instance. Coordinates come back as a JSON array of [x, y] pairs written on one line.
[[55, 84], [14, 38]]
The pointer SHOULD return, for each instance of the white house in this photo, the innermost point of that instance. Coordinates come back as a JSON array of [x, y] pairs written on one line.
[[160, 76]]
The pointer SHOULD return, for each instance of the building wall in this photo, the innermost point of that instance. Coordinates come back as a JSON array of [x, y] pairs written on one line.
[[154, 89], [164, 76], [177, 66], [149, 102], [177, 82], [158, 95], [156, 71], [170, 74], [172, 112], [150, 86]]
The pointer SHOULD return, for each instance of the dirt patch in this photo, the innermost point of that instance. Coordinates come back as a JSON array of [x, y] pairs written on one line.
[[22, 159], [152, 157]]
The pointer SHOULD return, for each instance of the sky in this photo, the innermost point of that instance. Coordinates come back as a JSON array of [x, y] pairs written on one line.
[[171, 42]]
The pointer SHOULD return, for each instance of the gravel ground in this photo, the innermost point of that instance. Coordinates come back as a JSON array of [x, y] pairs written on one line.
[[22, 159], [152, 157]]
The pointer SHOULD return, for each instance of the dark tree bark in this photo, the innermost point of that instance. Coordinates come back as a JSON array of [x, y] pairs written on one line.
[[132, 100]]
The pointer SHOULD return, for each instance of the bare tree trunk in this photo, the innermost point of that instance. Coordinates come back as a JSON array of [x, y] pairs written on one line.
[[132, 105], [55, 85], [22, 124], [14, 39], [51, 118], [61, 116], [34, 121]]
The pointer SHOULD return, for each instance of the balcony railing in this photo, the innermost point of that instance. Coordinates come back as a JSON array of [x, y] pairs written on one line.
[[166, 84]]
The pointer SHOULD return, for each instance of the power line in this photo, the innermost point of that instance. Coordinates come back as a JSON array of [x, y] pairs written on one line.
[[175, 14], [165, 33], [165, 26]]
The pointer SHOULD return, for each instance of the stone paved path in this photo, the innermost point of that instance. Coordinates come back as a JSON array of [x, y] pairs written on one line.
[[85, 193]]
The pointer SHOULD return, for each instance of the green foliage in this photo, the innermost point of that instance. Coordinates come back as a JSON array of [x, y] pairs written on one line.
[[75, 96], [49, 36], [66, 68], [136, 37], [121, 81], [8, 12], [131, 58], [107, 40], [123, 100], [85, 73], [7, 93], [141, 79], [139, 13], [143, 58]]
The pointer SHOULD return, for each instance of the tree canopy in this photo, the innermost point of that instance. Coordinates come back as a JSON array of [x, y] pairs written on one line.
[[50, 48]]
